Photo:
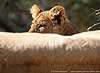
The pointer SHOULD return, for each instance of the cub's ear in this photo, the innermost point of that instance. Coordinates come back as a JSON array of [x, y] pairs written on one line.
[[35, 10], [57, 11]]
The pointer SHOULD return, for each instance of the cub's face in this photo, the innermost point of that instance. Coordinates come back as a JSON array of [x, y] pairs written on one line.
[[42, 24], [51, 21]]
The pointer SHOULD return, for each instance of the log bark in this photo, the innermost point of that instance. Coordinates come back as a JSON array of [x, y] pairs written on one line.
[[39, 53]]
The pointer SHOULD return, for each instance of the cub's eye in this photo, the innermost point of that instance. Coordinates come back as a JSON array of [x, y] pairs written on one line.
[[40, 28], [40, 25]]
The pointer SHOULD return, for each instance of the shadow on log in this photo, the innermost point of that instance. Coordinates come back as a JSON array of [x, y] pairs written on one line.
[[45, 53]]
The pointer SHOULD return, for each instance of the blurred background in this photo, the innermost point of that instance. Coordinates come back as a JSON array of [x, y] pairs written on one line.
[[15, 15]]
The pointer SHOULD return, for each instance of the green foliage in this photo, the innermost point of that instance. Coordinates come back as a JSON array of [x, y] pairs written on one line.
[[55, 1], [15, 15]]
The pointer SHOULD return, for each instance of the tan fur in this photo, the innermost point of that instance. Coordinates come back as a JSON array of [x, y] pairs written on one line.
[[35, 10], [55, 19]]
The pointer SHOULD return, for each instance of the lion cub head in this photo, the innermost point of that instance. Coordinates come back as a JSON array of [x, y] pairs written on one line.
[[51, 21]]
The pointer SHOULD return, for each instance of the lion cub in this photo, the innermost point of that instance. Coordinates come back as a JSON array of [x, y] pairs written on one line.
[[51, 21]]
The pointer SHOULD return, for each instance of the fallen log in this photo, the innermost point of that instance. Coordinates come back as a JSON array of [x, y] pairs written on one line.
[[39, 53]]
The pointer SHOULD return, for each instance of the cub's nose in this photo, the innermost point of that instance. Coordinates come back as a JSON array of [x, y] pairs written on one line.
[[41, 29]]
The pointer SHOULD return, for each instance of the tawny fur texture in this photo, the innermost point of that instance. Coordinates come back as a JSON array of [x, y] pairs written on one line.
[[35, 10], [51, 21], [44, 53]]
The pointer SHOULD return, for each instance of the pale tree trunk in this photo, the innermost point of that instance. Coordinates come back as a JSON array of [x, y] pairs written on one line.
[[45, 53]]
